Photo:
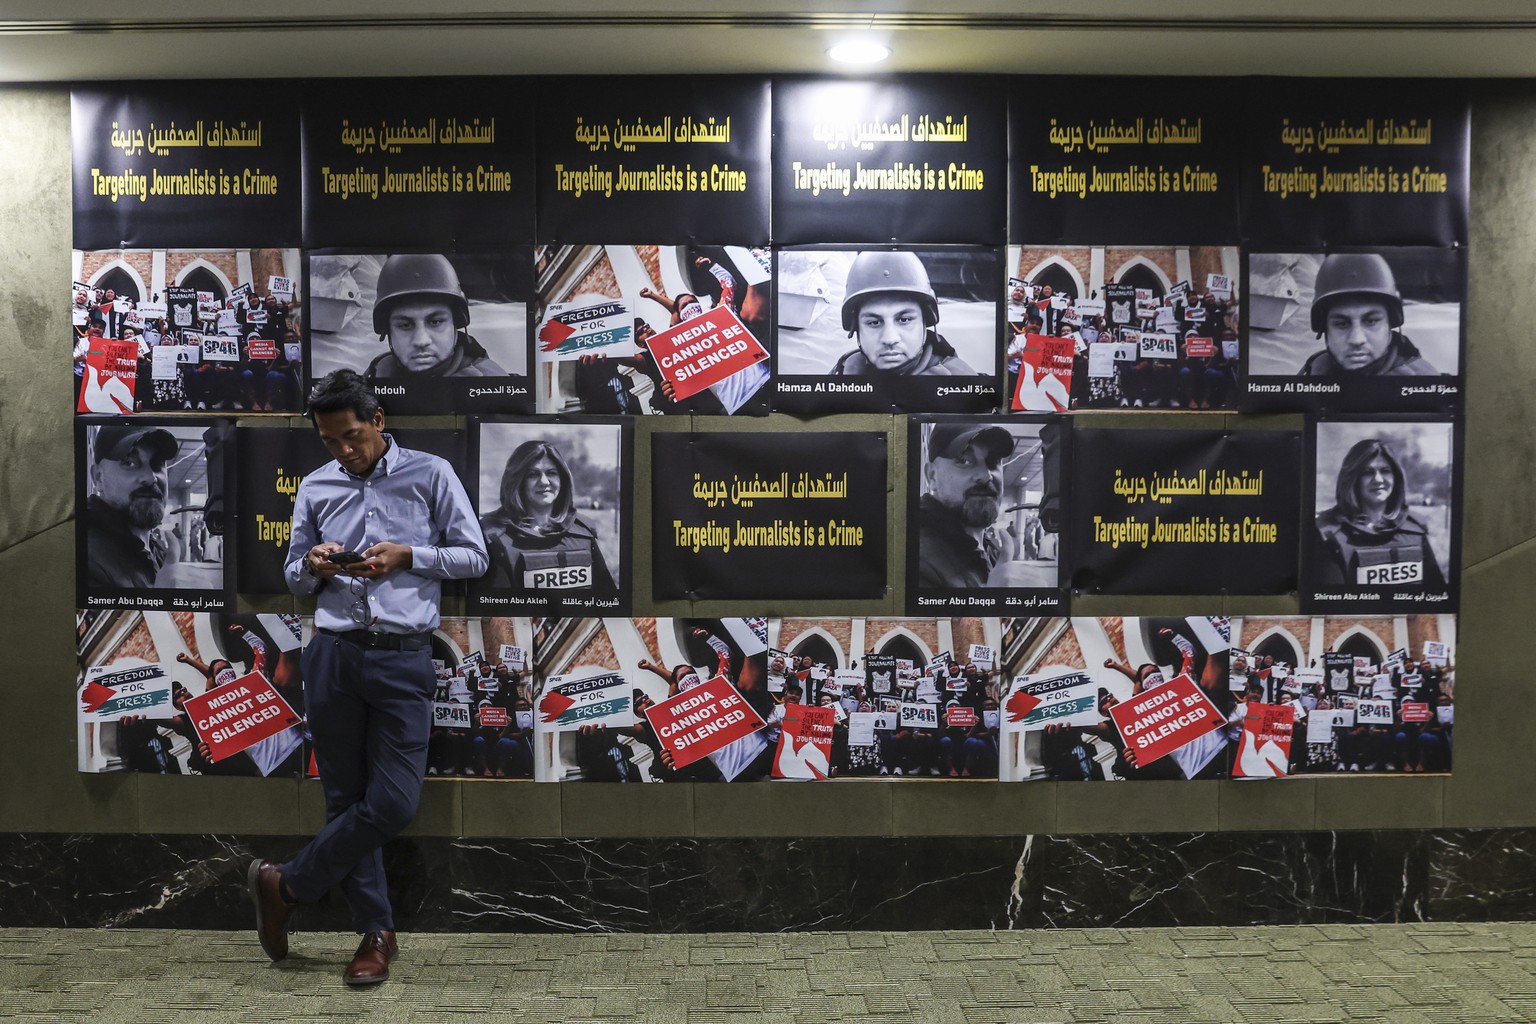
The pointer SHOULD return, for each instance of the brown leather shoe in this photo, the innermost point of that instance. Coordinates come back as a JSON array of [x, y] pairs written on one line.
[[264, 880], [370, 964]]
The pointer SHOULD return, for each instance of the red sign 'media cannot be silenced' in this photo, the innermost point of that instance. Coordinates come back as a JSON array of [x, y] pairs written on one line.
[[704, 350], [239, 714], [702, 719], [1159, 721]]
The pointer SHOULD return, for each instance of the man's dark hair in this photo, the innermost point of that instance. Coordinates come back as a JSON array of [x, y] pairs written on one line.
[[340, 390]]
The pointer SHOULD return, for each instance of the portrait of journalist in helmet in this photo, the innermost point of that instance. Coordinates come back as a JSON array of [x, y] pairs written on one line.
[[890, 307], [1357, 310], [1369, 537], [535, 538], [421, 311]]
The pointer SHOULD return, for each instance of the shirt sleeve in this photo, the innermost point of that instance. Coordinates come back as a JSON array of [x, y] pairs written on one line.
[[302, 537], [460, 553]]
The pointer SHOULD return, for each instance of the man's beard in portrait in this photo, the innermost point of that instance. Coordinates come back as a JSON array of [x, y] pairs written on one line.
[[146, 510], [980, 507]]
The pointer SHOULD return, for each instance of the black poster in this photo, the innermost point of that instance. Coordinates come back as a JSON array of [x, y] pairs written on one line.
[[1355, 162], [985, 511], [881, 329], [759, 515], [434, 333], [154, 497], [555, 499], [185, 164], [272, 464], [428, 162], [1185, 511], [665, 160], [1123, 160], [1378, 330], [912, 160], [1384, 498]]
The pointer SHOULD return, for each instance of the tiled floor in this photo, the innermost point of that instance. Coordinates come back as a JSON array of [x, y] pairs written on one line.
[[1409, 973]]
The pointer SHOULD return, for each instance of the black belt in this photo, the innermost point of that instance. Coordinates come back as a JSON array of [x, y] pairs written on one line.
[[388, 641]]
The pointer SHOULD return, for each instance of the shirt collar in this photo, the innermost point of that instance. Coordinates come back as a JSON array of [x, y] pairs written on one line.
[[393, 455]]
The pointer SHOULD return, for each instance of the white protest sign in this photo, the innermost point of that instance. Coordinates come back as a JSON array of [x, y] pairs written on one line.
[[850, 677], [1165, 320], [982, 656], [1308, 677], [1219, 285], [1381, 685], [1179, 288], [1446, 713], [152, 310], [919, 716], [280, 288], [886, 721], [861, 728], [819, 672], [293, 351], [286, 631], [589, 324], [1320, 726], [1067, 698], [129, 686], [450, 715], [604, 698], [163, 362], [1101, 359], [1090, 307], [219, 349], [1436, 653], [1229, 349], [514, 657], [1159, 346], [1373, 712]]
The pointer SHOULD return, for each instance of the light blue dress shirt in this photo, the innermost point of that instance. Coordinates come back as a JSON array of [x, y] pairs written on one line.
[[410, 498]]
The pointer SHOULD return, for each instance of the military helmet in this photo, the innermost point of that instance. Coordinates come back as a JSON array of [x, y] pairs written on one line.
[[1354, 273], [429, 275], [875, 272]]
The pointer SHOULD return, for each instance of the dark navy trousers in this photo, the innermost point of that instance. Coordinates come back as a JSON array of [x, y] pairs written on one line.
[[370, 712]]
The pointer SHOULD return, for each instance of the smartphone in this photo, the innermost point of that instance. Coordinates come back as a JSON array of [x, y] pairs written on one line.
[[344, 557]]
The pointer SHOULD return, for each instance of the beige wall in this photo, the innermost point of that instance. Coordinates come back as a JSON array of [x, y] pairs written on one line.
[[1495, 757]]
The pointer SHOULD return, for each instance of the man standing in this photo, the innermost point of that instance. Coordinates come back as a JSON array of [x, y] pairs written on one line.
[[890, 306], [1357, 311], [958, 544], [375, 533], [421, 309], [127, 505]]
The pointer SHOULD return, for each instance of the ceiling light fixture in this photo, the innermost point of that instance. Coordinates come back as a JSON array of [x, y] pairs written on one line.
[[859, 51]]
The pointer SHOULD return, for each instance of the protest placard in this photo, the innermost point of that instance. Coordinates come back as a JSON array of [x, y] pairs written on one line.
[[111, 372], [861, 728], [982, 656], [1340, 669], [1179, 288], [123, 688], [232, 717], [493, 717], [699, 721], [280, 288], [1121, 302], [286, 630], [1045, 375], [918, 715], [605, 698], [1373, 712], [1164, 319], [1101, 359], [219, 349], [1381, 685], [1264, 748], [959, 716], [1163, 718], [514, 657], [1199, 348], [880, 672], [848, 678], [1090, 307], [1068, 698], [1446, 714], [260, 348], [1416, 711], [1436, 653], [450, 714], [1219, 285], [1308, 677], [1320, 725], [573, 329], [704, 350], [163, 362], [1230, 348], [1159, 346], [805, 743]]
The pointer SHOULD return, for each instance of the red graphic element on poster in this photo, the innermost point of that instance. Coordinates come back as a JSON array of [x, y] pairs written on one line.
[[95, 695], [1020, 705], [960, 717], [493, 717], [261, 348], [553, 333], [554, 705], [1045, 375], [239, 714], [702, 719], [1158, 721], [1264, 748], [111, 372], [704, 350], [1416, 711], [1199, 348], [313, 771], [805, 745]]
